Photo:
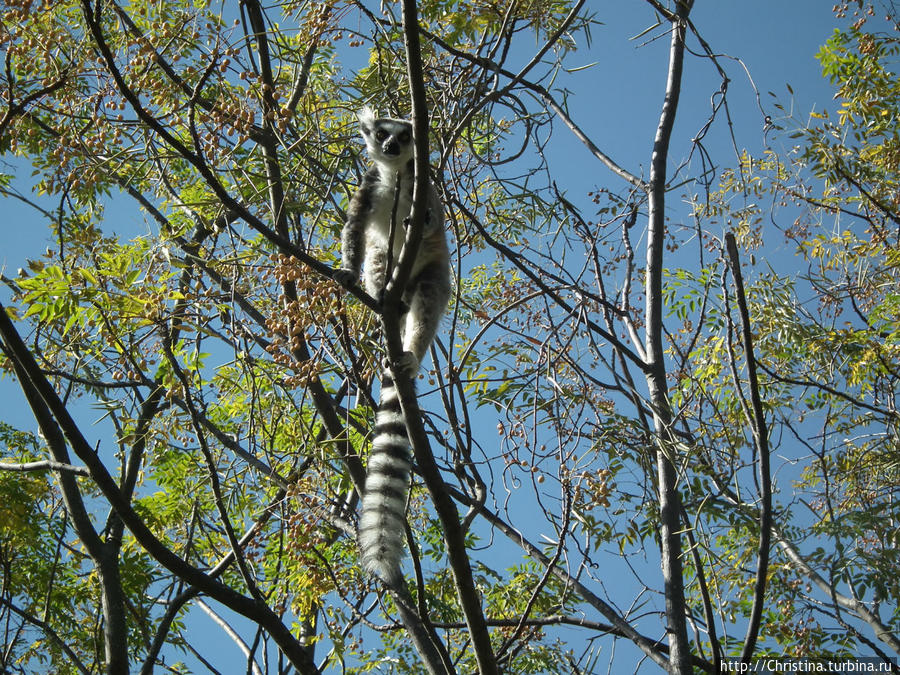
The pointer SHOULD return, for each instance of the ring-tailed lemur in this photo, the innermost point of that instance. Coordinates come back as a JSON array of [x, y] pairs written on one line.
[[373, 214]]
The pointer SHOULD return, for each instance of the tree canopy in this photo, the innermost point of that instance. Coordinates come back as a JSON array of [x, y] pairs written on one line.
[[659, 426]]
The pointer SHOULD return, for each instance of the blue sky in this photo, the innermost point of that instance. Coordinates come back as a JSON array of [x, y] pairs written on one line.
[[616, 101]]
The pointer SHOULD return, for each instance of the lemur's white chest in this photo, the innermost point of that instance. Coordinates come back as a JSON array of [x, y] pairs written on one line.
[[384, 213]]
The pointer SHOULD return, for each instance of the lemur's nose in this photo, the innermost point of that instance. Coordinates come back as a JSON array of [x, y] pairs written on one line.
[[391, 147]]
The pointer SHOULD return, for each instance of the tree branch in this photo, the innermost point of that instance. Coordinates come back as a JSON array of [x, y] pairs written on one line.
[[44, 465], [454, 535], [761, 440], [252, 667], [669, 498]]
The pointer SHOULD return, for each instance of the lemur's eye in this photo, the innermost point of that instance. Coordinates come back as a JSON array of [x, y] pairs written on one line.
[[380, 135], [404, 137]]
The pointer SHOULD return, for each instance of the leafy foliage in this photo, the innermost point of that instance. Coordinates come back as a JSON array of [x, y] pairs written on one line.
[[201, 437]]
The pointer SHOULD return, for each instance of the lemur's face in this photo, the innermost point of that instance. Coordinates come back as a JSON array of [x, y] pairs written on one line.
[[388, 140]]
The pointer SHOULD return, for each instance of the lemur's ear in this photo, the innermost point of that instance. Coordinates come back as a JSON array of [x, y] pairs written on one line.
[[366, 119]]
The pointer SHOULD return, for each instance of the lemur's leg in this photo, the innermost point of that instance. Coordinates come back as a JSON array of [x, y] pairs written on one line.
[[376, 261], [427, 297]]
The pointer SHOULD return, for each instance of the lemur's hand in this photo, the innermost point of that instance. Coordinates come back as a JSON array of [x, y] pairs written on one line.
[[346, 278]]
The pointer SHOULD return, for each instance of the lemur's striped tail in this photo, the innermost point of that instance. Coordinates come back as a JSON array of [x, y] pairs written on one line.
[[382, 524]]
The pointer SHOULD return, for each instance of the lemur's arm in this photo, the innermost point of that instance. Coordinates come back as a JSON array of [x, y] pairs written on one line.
[[353, 236]]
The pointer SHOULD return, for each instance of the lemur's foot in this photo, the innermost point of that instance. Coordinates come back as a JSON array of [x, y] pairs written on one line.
[[408, 364], [404, 307]]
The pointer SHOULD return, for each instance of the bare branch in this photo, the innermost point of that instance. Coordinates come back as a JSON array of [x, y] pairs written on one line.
[[232, 634], [44, 465], [669, 498], [761, 441]]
